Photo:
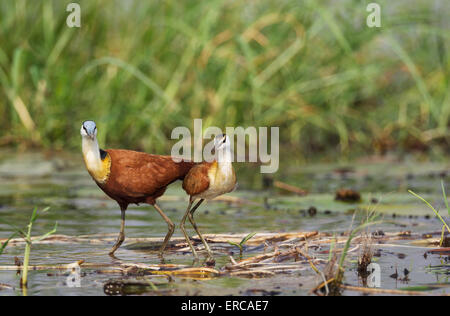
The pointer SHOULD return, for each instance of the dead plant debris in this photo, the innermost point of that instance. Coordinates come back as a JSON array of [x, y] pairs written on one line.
[[347, 195], [276, 253]]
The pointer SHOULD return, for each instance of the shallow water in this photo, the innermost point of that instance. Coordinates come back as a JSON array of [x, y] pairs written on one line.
[[80, 208]]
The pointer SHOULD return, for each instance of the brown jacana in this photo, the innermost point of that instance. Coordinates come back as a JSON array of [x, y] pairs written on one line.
[[129, 176], [207, 180]]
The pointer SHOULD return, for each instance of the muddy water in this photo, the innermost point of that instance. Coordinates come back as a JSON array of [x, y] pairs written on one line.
[[80, 208]]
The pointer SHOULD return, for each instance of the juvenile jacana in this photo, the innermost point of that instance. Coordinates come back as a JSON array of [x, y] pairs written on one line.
[[206, 181], [129, 176]]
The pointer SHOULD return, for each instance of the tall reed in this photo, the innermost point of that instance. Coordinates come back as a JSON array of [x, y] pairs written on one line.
[[141, 68]]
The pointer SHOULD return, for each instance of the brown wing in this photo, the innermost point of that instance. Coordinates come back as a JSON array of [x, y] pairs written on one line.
[[137, 174], [197, 180]]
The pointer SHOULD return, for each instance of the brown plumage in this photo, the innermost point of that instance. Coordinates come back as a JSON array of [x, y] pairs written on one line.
[[138, 177], [208, 180], [198, 180], [129, 176]]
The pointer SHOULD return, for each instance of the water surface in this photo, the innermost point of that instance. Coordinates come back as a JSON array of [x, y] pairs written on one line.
[[80, 208]]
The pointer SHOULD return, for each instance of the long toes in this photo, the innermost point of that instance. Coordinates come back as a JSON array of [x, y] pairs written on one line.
[[210, 261]]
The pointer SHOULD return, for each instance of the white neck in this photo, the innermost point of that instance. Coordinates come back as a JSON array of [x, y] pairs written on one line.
[[225, 158], [91, 154]]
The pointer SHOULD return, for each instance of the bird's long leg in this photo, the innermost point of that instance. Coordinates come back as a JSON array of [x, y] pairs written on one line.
[[191, 219], [183, 221], [171, 228], [121, 237]]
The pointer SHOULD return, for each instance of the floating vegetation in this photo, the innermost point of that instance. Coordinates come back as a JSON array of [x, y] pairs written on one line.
[[146, 286], [347, 195], [287, 253], [365, 258], [441, 269], [289, 257]]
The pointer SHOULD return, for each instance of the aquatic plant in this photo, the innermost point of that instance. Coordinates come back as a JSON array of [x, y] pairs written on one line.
[[444, 223], [333, 274], [365, 257], [241, 244], [29, 241], [371, 220], [26, 235], [3, 245]]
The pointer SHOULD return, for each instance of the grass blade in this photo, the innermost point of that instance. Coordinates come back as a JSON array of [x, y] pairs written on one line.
[[432, 208], [3, 246], [247, 238], [445, 197]]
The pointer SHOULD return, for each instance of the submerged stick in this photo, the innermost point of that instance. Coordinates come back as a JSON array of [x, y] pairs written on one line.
[[387, 291], [43, 267], [290, 188], [259, 238]]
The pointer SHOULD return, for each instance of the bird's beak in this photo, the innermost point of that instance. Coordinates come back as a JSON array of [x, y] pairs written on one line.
[[92, 136]]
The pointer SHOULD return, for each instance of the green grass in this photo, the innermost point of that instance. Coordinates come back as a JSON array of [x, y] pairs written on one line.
[[445, 226], [26, 235], [4, 244], [241, 244], [28, 243], [141, 68]]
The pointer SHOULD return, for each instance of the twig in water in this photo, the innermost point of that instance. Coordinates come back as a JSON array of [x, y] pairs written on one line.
[[290, 188], [387, 291]]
